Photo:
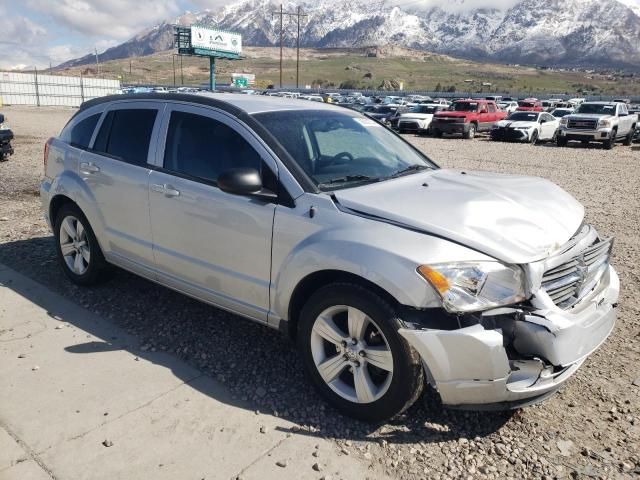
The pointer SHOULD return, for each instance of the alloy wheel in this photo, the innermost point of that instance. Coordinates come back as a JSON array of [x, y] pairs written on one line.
[[351, 354], [74, 245]]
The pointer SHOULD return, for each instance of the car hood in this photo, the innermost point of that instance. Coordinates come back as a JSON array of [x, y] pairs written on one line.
[[452, 114], [515, 219], [512, 124], [589, 116], [419, 116]]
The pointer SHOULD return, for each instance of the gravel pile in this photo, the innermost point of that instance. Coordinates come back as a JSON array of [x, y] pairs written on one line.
[[591, 429]]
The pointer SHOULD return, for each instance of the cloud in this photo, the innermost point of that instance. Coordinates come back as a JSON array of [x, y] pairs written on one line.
[[116, 19]]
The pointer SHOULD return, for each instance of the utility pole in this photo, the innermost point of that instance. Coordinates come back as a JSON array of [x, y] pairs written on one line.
[[97, 61], [173, 62], [298, 15]]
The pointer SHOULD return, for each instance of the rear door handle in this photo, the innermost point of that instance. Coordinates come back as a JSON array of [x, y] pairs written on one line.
[[88, 167], [166, 190]]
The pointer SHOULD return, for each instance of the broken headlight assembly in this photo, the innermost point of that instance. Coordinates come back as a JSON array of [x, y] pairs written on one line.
[[475, 286]]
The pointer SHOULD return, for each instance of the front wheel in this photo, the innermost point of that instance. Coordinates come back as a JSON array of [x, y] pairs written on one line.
[[534, 137], [561, 141], [354, 355], [471, 133], [629, 138], [609, 142]]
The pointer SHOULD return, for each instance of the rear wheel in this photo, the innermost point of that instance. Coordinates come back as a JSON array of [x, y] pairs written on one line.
[[354, 355], [629, 138], [77, 248]]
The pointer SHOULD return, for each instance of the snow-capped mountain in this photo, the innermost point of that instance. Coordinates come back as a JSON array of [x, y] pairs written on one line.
[[556, 32]]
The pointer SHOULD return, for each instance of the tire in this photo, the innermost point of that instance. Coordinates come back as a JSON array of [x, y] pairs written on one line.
[[471, 133], [561, 141], [534, 137], [437, 133], [554, 139], [628, 140], [609, 142], [84, 263], [324, 338]]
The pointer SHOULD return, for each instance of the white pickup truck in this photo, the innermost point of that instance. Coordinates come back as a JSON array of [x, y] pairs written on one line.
[[603, 122]]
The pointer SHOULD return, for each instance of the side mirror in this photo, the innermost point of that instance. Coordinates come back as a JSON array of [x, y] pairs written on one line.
[[542, 120], [621, 114], [244, 181]]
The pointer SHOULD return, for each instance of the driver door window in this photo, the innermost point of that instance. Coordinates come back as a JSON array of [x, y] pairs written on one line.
[[203, 148]]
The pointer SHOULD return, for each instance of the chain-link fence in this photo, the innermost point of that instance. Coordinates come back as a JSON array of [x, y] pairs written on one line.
[[52, 90]]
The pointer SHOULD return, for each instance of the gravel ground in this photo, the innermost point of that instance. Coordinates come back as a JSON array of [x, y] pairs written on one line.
[[591, 429]]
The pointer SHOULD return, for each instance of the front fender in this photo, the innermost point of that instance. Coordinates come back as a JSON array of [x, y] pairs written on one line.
[[392, 272], [382, 253]]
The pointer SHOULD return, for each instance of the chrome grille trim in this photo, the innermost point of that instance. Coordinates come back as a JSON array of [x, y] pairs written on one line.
[[570, 281], [582, 124]]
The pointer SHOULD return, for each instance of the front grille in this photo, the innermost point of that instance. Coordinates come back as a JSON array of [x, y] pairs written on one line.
[[582, 124], [405, 125], [570, 282], [448, 120]]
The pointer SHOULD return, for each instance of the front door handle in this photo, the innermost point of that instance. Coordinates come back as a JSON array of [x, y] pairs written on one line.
[[166, 190], [88, 167]]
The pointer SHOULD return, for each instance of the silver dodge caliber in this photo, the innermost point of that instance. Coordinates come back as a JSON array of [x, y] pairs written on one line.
[[389, 272]]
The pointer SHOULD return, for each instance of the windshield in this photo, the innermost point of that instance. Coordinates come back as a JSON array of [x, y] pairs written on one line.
[[464, 107], [342, 149], [526, 104], [523, 117], [424, 109], [597, 108], [385, 110]]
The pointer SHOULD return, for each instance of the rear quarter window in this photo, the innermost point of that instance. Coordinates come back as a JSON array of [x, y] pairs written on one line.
[[79, 135], [125, 134]]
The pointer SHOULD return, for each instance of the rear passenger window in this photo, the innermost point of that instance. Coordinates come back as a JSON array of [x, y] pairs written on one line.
[[492, 108], [80, 134], [126, 134], [202, 147]]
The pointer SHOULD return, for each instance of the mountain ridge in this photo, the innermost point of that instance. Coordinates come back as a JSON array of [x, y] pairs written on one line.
[[572, 33]]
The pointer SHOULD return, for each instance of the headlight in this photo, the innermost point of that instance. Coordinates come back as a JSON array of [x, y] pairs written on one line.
[[475, 286], [564, 121], [604, 123], [523, 128]]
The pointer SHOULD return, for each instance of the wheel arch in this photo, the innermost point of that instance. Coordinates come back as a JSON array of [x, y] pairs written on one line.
[[56, 203], [316, 280]]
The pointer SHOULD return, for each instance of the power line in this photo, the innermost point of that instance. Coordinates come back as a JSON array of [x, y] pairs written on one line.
[[298, 14]]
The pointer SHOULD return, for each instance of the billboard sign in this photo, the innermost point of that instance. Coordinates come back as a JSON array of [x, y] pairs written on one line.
[[243, 79], [207, 38]]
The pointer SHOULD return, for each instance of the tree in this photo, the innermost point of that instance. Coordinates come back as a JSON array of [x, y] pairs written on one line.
[[451, 89], [438, 87]]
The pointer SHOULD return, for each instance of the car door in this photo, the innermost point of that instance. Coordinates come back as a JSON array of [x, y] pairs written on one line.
[[208, 243], [115, 170], [549, 126]]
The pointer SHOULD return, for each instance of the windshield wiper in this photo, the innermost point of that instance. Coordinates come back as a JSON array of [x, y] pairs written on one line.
[[410, 169], [348, 178]]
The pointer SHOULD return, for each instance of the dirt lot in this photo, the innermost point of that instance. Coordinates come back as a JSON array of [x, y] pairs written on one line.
[[591, 429]]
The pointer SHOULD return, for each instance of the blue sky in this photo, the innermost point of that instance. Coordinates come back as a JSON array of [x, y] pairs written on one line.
[[37, 32]]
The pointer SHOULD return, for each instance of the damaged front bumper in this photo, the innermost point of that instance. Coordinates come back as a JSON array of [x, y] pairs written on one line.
[[515, 356]]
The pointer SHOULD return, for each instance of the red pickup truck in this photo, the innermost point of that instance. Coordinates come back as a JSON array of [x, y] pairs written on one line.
[[467, 117], [530, 105]]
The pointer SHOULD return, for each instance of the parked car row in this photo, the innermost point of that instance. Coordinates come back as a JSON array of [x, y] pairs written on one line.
[[604, 122]]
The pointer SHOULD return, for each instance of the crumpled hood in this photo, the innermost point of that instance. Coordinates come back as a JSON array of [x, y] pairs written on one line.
[[515, 219]]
